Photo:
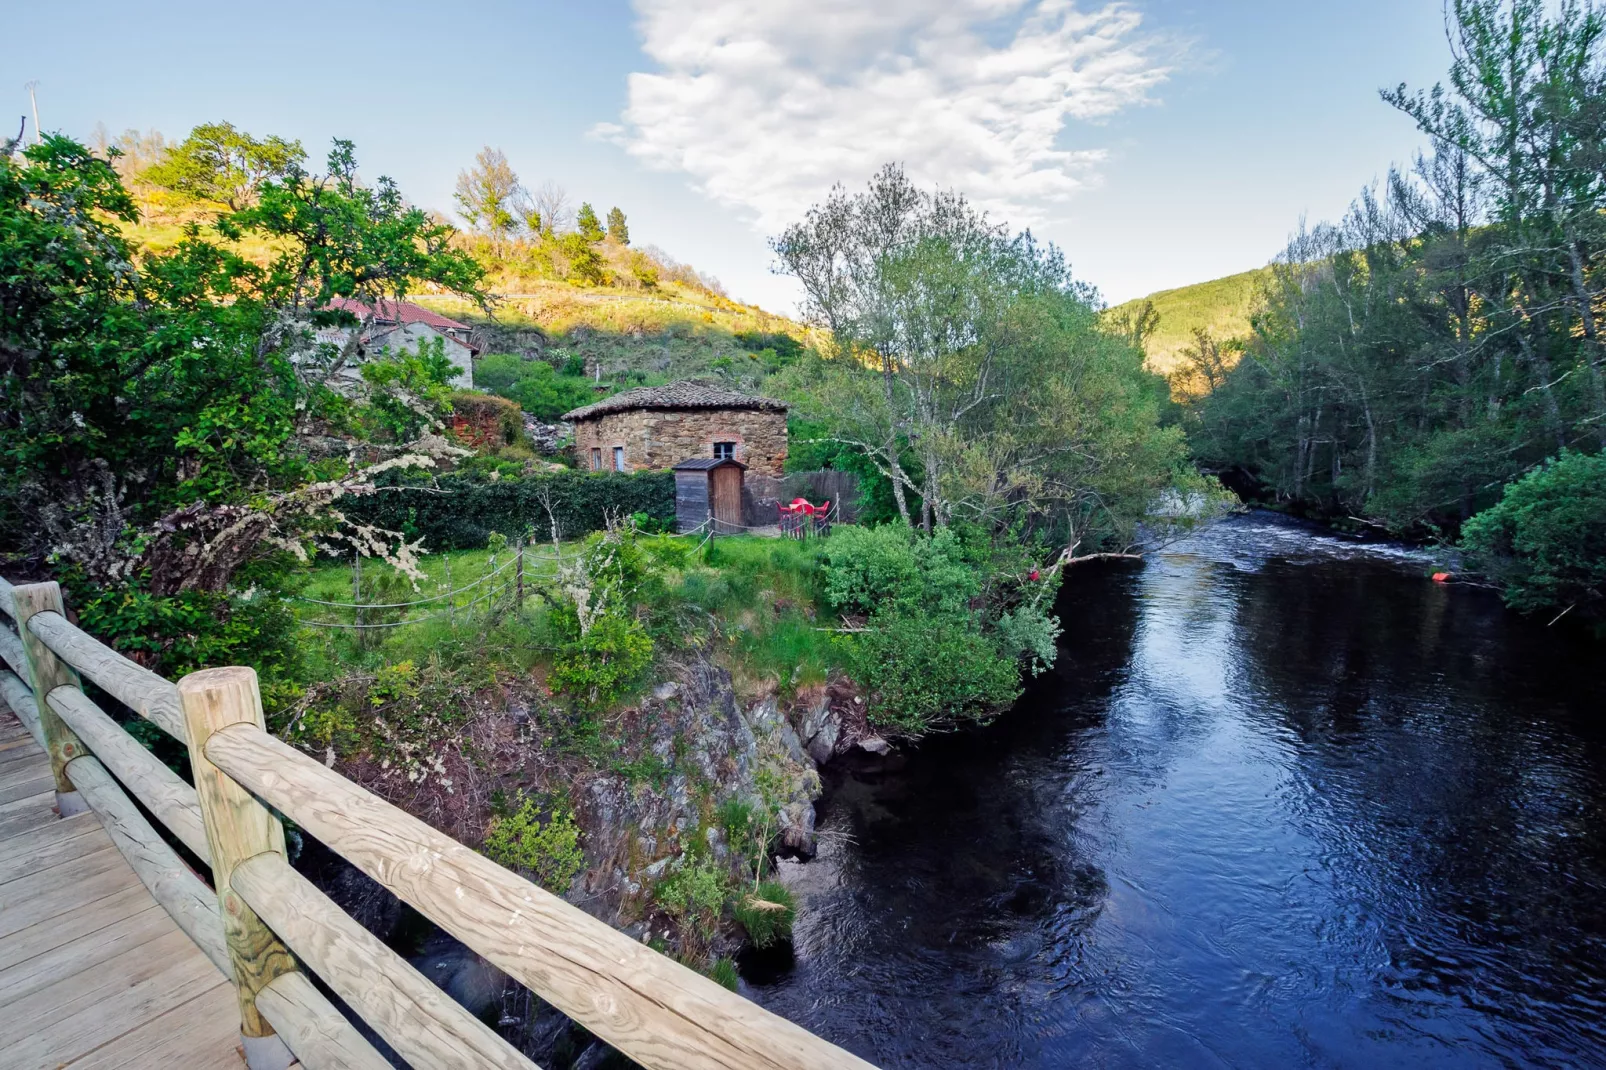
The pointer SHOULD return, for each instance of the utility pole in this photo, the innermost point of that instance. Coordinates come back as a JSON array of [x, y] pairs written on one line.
[[34, 100]]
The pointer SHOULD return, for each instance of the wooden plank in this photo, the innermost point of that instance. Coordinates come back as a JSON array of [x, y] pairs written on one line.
[[25, 784], [80, 955], [426, 1026], [171, 882], [90, 915], [11, 651], [315, 1031], [161, 790], [135, 686], [659, 1013], [199, 1035], [43, 848], [77, 1014], [27, 814], [20, 701], [38, 896]]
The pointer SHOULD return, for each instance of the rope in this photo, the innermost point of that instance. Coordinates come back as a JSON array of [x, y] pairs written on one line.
[[413, 620], [425, 601]]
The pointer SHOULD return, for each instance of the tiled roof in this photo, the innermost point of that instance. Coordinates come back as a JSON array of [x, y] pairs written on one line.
[[685, 394], [398, 312], [704, 464]]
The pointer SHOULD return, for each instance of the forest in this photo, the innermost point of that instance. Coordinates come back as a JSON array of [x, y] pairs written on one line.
[[1431, 365]]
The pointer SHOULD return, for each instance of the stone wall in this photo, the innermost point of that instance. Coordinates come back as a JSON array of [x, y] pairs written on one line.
[[655, 438]]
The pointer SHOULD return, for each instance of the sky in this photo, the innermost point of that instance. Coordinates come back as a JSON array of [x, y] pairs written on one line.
[[1158, 142]]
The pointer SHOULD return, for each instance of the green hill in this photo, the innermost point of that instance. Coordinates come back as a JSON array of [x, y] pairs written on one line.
[[1221, 306]]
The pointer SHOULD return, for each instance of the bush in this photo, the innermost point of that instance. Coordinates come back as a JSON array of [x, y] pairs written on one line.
[[867, 569], [597, 668], [1545, 541], [459, 511], [767, 913], [537, 388], [547, 850], [923, 670], [694, 895]]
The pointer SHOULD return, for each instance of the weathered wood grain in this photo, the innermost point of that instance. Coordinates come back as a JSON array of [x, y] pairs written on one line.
[[157, 787], [197, 1035], [136, 687], [11, 651], [185, 897], [656, 1011], [237, 827], [46, 672], [319, 1034], [426, 1026]]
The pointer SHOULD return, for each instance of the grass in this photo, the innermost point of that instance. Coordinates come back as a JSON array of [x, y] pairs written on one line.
[[1221, 306], [753, 598]]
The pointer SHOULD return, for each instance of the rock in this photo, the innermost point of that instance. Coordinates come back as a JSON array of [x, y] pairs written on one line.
[[666, 691], [875, 745], [657, 868]]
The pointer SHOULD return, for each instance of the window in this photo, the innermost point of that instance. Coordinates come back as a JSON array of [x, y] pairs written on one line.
[[618, 458], [725, 451], [596, 459]]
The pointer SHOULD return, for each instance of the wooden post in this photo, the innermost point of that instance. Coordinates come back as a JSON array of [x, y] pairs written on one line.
[[518, 574], [356, 589], [238, 827], [49, 672], [451, 594]]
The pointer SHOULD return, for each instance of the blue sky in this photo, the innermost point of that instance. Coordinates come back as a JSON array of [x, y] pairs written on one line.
[[1160, 142]]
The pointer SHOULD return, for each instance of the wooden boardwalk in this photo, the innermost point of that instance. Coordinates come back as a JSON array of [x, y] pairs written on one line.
[[93, 972]]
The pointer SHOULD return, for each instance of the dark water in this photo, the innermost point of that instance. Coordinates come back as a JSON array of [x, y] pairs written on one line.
[[1282, 803]]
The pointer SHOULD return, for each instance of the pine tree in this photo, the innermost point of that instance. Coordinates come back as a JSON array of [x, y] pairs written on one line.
[[617, 228], [588, 225]]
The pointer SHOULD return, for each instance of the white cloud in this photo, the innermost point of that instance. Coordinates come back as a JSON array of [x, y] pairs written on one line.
[[766, 103]]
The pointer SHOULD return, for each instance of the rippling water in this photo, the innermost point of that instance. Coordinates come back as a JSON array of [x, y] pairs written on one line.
[[1282, 802]]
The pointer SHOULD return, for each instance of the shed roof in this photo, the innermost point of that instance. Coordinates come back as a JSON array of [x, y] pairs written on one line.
[[705, 464], [397, 312], [684, 394]]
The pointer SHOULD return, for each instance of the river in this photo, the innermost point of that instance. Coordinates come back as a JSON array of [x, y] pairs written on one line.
[[1281, 802]]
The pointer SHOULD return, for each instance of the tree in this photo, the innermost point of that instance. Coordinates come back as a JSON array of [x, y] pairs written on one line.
[[587, 225], [618, 231], [488, 196], [218, 163], [970, 368], [158, 413], [550, 209]]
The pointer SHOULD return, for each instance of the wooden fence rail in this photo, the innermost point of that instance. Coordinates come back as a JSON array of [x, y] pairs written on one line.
[[261, 922]]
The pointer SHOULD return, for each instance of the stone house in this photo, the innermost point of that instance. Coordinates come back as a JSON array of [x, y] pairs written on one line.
[[657, 427], [393, 326]]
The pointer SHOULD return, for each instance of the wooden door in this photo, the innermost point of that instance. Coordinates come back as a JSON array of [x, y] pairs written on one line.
[[726, 504]]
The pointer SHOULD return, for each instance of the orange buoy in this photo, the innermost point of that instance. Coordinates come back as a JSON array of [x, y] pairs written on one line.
[[1441, 577]]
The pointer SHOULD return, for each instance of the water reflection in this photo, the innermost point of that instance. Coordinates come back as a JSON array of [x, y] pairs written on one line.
[[1282, 802]]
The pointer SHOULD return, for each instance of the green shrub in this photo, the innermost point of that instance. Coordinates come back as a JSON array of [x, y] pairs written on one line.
[[597, 668], [1545, 540], [547, 850], [924, 670], [867, 569], [534, 385], [767, 913], [694, 895], [458, 511]]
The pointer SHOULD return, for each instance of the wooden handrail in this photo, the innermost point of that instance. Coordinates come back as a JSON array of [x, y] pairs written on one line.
[[426, 1026], [319, 1034], [657, 1012], [135, 686], [652, 1009], [163, 792]]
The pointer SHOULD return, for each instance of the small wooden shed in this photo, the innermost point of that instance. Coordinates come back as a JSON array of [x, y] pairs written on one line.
[[709, 488]]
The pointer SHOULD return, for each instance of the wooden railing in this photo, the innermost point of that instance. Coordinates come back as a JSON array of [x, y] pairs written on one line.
[[264, 924]]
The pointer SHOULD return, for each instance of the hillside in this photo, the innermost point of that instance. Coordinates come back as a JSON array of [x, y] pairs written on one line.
[[626, 331], [1221, 306]]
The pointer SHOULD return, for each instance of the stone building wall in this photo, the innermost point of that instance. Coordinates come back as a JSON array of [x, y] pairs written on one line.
[[655, 438]]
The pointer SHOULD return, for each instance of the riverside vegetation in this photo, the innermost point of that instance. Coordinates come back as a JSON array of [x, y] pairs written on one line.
[[1432, 365], [641, 730]]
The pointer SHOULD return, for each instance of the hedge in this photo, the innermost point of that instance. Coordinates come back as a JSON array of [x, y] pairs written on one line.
[[459, 512]]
